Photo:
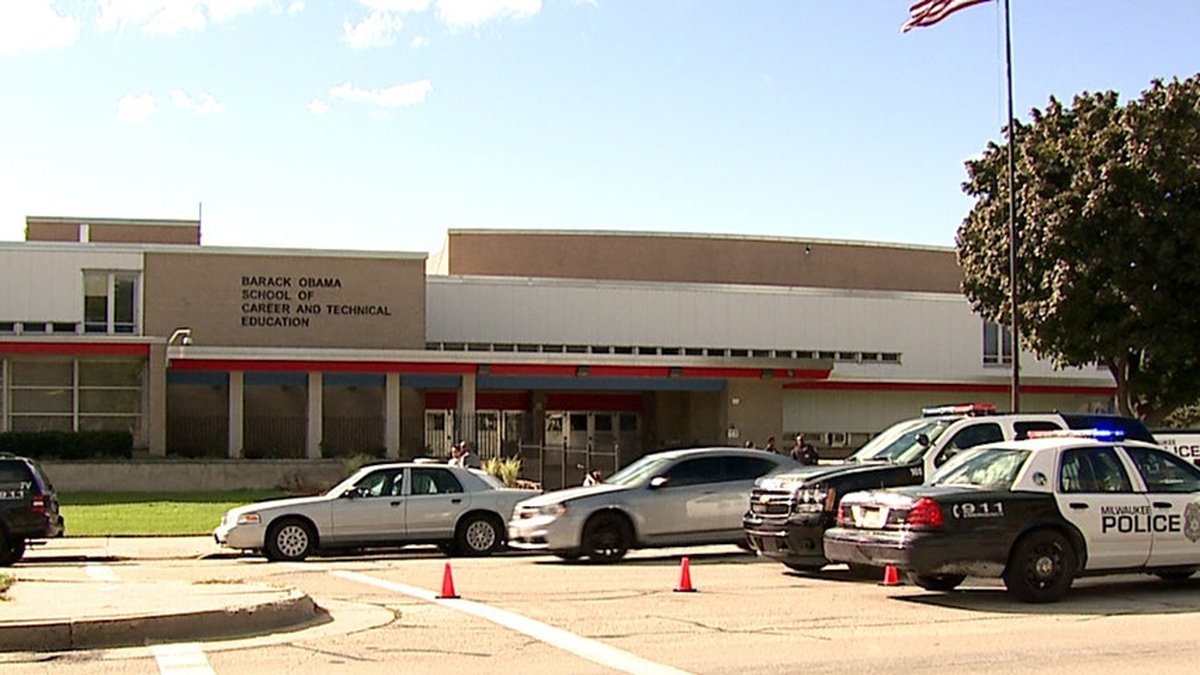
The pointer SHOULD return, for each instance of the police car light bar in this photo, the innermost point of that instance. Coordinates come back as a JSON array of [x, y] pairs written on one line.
[[1098, 434], [960, 409]]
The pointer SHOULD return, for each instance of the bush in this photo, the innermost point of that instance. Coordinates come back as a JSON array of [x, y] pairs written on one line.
[[68, 445], [507, 469]]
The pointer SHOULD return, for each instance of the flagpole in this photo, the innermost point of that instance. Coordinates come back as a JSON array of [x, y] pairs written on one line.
[[1012, 217]]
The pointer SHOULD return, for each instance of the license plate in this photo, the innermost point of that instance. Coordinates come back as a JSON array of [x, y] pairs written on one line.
[[872, 518]]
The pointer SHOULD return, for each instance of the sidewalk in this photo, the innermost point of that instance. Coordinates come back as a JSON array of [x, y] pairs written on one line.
[[48, 613]]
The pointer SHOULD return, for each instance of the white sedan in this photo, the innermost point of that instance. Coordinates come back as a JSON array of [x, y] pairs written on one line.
[[462, 510]]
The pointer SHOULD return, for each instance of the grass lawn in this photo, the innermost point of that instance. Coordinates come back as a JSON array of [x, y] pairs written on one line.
[[98, 514]]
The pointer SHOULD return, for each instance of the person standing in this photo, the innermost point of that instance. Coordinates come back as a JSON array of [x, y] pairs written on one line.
[[804, 452], [770, 446], [468, 458]]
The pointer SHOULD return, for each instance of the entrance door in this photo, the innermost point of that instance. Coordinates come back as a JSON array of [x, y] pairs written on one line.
[[439, 431]]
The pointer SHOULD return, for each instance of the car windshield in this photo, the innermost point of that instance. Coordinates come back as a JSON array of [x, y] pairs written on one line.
[[989, 468], [640, 471], [899, 443]]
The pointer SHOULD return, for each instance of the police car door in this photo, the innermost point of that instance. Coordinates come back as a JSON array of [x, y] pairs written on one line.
[[1172, 484], [1096, 494]]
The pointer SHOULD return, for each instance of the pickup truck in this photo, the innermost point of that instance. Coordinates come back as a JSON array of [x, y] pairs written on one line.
[[789, 512]]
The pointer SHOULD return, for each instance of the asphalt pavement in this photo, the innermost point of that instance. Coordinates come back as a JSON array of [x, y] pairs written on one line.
[[67, 595]]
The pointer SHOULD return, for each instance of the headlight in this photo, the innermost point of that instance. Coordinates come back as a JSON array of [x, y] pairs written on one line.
[[249, 519], [553, 510], [809, 499]]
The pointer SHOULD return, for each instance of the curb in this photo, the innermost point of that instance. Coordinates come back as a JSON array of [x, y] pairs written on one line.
[[296, 610]]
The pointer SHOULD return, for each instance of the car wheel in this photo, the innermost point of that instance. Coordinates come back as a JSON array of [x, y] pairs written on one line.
[[478, 534], [1041, 567], [937, 582], [1176, 575], [290, 539], [804, 567], [11, 550], [606, 538]]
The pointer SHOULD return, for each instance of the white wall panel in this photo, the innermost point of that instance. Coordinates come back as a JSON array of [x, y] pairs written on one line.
[[938, 336], [47, 284]]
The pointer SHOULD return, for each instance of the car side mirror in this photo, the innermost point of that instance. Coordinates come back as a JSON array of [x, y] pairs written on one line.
[[658, 481]]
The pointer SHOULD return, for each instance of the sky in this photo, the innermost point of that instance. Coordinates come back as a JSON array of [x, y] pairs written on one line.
[[381, 124]]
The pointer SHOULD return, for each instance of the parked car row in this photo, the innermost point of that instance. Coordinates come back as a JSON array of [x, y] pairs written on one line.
[[961, 491]]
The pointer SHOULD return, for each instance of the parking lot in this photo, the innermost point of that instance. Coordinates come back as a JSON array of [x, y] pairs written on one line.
[[536, 614]]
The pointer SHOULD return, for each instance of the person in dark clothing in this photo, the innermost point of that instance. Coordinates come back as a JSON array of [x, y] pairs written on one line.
[[804, 452]]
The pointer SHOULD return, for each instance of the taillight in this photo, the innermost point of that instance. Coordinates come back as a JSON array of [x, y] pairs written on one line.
[[925, 513], [842, 515], [39, 504]]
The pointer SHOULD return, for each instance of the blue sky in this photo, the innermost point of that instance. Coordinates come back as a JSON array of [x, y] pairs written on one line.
[[379, 124]]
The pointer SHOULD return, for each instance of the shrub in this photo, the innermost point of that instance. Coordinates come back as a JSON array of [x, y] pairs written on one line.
[[68, 444], [507, 469]]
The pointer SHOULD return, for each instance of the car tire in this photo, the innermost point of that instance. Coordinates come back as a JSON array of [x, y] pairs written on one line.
[[290, 540], [1041, 567], [936, 582], [606, 538], [11, 550], [478, 534]]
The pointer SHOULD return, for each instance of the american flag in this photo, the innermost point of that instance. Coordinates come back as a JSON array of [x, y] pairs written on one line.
[[928, 12]]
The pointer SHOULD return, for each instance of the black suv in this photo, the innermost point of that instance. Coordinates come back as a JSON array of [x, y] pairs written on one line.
[[789, 513], [28, 507]]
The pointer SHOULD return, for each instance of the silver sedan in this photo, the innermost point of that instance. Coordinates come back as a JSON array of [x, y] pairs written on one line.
[[462, 510], [682, 497]]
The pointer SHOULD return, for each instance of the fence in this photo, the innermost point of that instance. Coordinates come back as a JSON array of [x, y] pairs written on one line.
[[557, 467]]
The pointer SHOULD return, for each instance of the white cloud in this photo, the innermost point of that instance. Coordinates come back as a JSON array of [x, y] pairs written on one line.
[[295, 8], [377, 30], [136, 107], [318, 107], [419, 41], [399, 6], [30, 25], [472, 13], [398, 96], [168, 17], [205, 104]]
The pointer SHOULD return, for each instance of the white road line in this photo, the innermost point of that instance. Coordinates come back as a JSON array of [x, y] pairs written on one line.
[[587, 648], [184, 658]]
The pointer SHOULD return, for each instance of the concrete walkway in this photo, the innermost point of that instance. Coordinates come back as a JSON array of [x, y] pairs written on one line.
[[47, 612]]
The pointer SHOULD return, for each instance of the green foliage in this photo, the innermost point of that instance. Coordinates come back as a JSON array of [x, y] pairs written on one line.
[[507, 469], [68, 445], [96, 514], [1108, 200], [6, 583]]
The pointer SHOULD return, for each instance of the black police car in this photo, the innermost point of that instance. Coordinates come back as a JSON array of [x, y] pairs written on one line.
[[1037, 513], [788, 513], [28, 507]]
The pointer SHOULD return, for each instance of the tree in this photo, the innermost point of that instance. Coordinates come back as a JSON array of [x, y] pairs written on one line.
[[1108, 257]]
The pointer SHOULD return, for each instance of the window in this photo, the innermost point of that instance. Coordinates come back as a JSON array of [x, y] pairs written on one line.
[[747, 468], [997, 343], [384, 483], [1090, 470], [1022, 429], [1163, 472], [110, 302], [695, 472], [434, 482]]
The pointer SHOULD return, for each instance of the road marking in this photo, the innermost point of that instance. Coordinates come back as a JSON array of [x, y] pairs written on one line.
[[592, 650], [185, 658]]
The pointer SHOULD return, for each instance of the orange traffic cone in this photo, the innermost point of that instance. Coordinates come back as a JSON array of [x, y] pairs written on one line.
[[447, 585], [891, 576], [685, 577]]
